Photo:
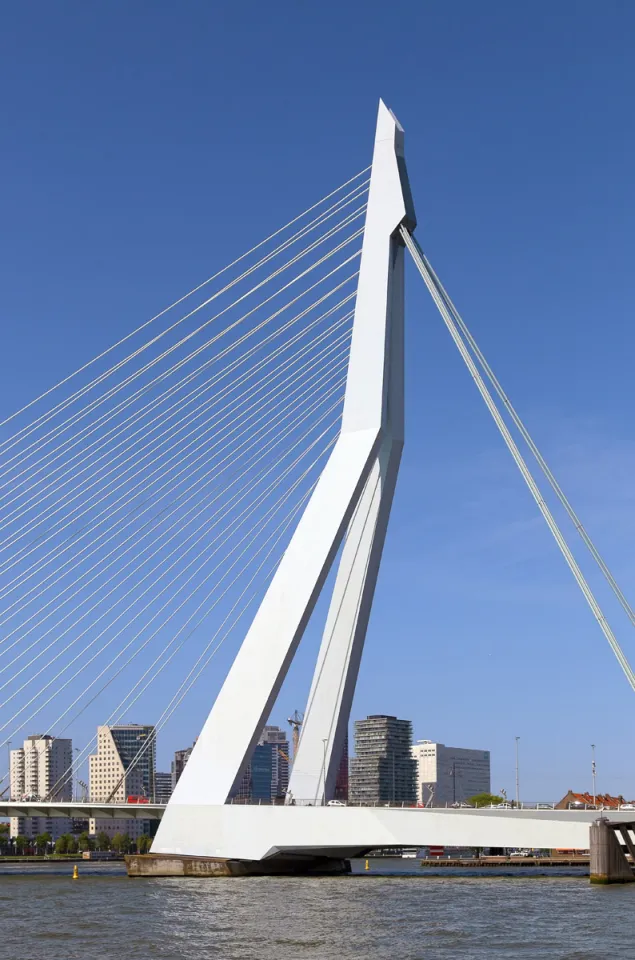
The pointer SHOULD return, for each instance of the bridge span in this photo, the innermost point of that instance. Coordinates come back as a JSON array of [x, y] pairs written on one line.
[[251, 832], [82, 810], [259, 832]]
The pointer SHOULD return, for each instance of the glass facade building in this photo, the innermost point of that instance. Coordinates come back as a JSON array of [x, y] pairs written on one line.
[[383, 770], [131, 739], [261, 772]]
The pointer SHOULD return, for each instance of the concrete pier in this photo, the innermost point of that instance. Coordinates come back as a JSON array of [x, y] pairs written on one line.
[[173, 865], [608, 861]]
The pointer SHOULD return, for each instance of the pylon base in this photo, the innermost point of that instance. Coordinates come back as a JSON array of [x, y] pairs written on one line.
[[175, 865]]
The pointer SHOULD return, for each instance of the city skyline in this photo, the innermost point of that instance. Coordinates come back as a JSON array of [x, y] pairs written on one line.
[[159, 758]]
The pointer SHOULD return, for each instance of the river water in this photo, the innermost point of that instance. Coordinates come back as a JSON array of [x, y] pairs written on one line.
[[45, 915]]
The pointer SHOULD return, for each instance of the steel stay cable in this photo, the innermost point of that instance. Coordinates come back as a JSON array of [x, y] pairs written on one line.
[[227, 507], [194, 394], [256, 442], [220, 514], [70, 442], [55, 724], [116, 389], [185, 297], [59, 689], [163, 718], [158, 546], [251, 536], [530, 442], [162, 721], [180, 405], [124, 705], [90, 428], [208, 404], [520, 462], [76, 761], [8, 565], [209, 594], [169, 485]]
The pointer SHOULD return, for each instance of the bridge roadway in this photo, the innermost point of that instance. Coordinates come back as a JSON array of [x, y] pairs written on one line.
[[251, 832], [82, 810], [259, 832]]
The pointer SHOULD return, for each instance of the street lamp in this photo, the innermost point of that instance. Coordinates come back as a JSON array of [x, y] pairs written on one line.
[[74, 771], [517, 775], [593, 770], [324, 743]]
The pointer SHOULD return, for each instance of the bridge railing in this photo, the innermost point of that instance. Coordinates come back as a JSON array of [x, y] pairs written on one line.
[[403, 804]]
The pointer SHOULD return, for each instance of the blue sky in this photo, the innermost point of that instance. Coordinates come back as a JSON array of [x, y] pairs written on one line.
[[143, 146]]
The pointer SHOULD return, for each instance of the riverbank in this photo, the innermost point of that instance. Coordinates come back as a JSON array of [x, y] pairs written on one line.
[[521, 867], [54, 857]]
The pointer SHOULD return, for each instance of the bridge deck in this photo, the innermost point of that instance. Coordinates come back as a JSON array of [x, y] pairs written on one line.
[[81, 810]]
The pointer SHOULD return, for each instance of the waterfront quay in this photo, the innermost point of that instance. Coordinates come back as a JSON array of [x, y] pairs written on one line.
[[473, 867]]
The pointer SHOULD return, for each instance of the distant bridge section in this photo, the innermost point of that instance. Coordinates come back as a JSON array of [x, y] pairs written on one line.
[[82, 810]]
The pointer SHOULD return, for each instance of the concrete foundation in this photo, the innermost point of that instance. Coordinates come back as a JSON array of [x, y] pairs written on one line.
[[608, 862], [173, 865]]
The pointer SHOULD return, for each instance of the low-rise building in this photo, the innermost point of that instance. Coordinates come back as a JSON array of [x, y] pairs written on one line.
[[447, 775], [572, 800]]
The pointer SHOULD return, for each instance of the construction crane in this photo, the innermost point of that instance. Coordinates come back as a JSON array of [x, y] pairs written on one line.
[[295, 722]]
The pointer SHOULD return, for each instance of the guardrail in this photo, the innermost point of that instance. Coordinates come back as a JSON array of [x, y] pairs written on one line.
[[280, 801], [402, 804]]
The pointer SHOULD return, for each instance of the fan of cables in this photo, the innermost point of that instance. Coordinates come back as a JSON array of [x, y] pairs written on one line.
[[146, 499]]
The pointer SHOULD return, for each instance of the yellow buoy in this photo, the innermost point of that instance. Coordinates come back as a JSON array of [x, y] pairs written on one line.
[[75, 872]]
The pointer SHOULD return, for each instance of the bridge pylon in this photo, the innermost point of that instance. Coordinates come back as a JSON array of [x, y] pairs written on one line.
[[350, 505]]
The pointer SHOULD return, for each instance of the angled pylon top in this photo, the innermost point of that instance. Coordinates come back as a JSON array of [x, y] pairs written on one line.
[[389, 206]]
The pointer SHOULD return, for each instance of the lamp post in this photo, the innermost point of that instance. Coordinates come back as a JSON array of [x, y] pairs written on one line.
[[324, 743], [454, 773], [74, 771], [517, 775], [593, 771]]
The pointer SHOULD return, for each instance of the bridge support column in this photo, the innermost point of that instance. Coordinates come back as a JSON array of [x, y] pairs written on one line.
[[608, 862]]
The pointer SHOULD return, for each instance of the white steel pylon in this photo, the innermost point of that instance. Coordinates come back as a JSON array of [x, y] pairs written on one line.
[[354, 494]]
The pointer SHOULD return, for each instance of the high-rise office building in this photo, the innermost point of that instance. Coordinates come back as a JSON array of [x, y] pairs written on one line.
[[447, 775], [341, 782], [267, 774], [178, 764], [261, 772], [123, 766], [41, 770], [276, 740], [162, 787], [382, 770]]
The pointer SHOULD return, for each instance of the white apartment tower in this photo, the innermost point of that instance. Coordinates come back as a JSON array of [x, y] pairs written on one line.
[[447, 775], [41, 769]]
